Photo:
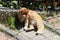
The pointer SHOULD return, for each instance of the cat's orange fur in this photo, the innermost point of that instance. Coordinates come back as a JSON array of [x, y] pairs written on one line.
[[32, 19]]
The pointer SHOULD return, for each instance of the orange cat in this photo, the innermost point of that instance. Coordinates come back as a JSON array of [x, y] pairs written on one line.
[[32, 19]]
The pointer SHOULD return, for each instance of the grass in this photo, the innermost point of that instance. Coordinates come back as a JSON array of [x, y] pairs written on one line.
[[43, 16]]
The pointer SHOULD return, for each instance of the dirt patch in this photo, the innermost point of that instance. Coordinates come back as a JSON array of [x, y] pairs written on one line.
[[5, 36]]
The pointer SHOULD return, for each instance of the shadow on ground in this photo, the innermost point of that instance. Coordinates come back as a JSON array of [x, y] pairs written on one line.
[[20, 25]]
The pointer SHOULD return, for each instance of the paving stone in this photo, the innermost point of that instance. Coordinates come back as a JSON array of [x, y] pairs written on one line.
[[30, 34], [22, 37], [12, 32], [46, 39], [39, 37], [48, 33], [8, 30], [55, 37]]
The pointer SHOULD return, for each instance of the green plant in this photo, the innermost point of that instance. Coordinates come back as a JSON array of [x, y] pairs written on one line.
[[1, 30], [43, 16], [11, 22]]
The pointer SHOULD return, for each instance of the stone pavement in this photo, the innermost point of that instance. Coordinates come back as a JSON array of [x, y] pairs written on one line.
[[22, 35], [47, 35]]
